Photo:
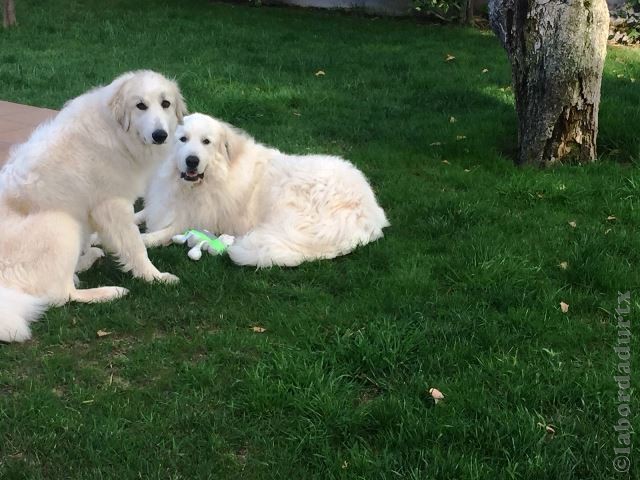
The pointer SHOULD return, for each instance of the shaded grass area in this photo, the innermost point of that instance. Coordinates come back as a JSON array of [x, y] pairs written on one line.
[[462, 294]]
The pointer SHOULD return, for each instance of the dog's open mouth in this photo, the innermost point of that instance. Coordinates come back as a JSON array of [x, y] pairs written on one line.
[[191, 175]]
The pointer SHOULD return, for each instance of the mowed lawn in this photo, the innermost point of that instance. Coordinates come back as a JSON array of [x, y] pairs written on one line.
[[463, 293]]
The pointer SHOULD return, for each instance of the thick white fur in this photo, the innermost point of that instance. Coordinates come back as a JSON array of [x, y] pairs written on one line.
[[79, 173], [285, 209]]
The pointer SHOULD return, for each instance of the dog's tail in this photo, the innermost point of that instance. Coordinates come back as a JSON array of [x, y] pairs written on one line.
[[17, 311]]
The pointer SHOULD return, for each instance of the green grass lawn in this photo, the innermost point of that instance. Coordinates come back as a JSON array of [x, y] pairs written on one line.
[[462, 294]]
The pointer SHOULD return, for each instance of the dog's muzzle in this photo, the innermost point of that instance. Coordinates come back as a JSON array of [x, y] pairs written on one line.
[[191, 175]]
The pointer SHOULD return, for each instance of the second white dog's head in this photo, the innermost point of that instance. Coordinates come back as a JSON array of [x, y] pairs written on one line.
[[204, 146], [147, 105]]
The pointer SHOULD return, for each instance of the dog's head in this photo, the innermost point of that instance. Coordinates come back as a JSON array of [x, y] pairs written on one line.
[[147, 105], [205, 146]]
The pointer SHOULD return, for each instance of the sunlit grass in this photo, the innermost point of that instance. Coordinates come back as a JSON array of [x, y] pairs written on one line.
[[462, 294]]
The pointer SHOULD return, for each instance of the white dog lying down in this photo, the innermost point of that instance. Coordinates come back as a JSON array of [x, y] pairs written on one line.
[[79, 173], [287, 209]]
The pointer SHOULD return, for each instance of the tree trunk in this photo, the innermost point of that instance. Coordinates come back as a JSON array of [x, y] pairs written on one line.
[[557, 50], [466, 16], [8, 13]]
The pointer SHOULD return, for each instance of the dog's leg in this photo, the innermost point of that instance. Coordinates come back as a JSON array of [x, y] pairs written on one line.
[[95, 295], [88, 258], [159, 238], [113, 219], [140, 217], [264, 248]]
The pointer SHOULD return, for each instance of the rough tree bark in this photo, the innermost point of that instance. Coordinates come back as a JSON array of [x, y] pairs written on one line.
[[557, 50], [8, 13]]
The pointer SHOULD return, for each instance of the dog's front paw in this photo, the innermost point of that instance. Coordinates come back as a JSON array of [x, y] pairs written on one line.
[[166, 277], [152, 240], [94, 239], [95, 253]]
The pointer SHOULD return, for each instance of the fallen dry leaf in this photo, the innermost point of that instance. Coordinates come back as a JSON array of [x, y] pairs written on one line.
[[345, 464], [633, 80], [564, 265], [467, 170], [485, 70], [102, 333], [449, 57], [461, 137], [446, 162], [435, 144], [320, 73], [607, 231], [573, 224], [549, 429], [436, 394], [564, 307], [258, 329], [297, 114], [611, 217], [452, 120]]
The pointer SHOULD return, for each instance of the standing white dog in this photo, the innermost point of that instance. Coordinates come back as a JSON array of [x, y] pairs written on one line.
[[79, 173], [287, 209]]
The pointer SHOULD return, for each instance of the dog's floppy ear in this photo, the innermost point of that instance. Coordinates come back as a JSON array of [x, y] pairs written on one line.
[[230, 143], [118, 106], [181, 107]]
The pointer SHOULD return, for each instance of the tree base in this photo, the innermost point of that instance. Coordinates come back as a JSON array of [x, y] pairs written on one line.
[[557, 50]]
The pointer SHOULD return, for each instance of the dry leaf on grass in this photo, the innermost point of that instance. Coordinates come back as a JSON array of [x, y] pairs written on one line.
[[102, 333], [549, 429], [611, 217], [297, 114], [345, 464], [258, 329], [449, 57], [452, 120], [573, 224], [320, 73], [563, 265], [607, 231], [435, 144], [436, 394], [446, 162], [485, 70], [467, 170], [564, 307], [461, 137]]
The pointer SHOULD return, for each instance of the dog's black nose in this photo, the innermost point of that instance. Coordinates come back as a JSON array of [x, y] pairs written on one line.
[[192, 161], [159, 136]]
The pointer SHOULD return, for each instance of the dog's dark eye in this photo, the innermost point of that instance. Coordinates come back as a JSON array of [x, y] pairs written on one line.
[[141, 106], [183, 139], [206, 141], [165, 104]]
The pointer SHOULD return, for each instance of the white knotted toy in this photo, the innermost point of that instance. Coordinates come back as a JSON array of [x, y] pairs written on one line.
[[199, 240]]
